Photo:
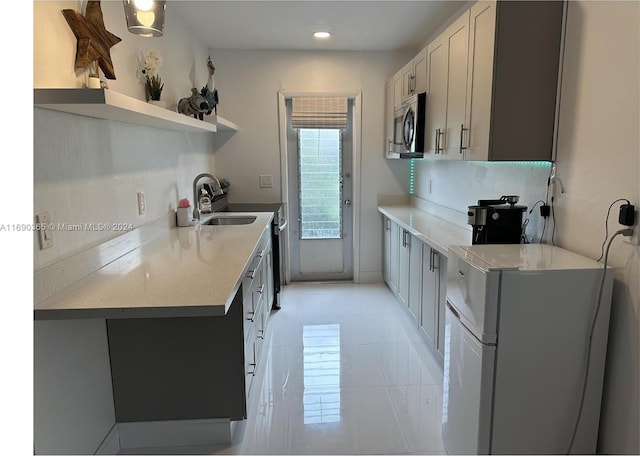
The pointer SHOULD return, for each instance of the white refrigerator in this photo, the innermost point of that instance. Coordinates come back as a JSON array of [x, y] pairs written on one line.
[[518, 324]]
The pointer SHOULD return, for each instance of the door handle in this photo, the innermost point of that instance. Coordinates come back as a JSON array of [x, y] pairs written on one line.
[[462, 130], [347, 202]]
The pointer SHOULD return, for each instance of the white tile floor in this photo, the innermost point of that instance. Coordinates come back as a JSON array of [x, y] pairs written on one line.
[[343, 372]]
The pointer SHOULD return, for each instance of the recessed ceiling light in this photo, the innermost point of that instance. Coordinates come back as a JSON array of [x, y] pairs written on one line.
[[322, 35]]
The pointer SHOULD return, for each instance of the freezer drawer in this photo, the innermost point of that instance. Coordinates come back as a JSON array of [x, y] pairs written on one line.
[[467, 389], [473, 289]]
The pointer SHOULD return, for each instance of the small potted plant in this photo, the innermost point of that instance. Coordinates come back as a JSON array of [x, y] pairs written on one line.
[[94, 77], [154, 87], [150, 64]]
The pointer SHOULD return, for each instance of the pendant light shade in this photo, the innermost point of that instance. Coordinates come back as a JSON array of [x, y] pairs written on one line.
[[145, 17]]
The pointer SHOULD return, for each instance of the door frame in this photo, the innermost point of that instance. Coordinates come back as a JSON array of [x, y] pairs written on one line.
[[356, 169]]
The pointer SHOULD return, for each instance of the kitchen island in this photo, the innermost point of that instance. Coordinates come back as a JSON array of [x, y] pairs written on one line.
[[177, 322]]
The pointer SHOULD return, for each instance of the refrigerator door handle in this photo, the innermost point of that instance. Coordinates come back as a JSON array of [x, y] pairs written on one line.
[[453, 309]]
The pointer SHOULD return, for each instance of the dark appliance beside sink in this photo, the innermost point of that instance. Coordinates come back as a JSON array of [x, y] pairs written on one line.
[[220, 204]]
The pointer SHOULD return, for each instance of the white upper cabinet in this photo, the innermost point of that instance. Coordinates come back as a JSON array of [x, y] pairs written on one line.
[[446, 90], [457, 36], [512, 85], [414, 75], [482, 26], [407, 80], [492, 81], [388, 118], [420, 71], [436, 96]]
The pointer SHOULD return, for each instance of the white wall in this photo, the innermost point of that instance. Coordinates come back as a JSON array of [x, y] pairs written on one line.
[[72, 391], [88, 171], [597, 162], [248, 83]]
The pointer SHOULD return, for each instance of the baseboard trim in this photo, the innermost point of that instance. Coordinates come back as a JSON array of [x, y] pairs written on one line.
[[370, 277], [174, 433]]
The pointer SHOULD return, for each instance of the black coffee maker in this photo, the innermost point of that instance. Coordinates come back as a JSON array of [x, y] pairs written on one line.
[[497, 221]]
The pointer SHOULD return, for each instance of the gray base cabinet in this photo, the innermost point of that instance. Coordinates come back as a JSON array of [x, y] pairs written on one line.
[[431, 322], [178, 368], [193, 367], [416, 274]]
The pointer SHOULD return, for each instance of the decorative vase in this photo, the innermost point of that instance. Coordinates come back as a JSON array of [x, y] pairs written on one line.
[[94, 83], [159, 103]]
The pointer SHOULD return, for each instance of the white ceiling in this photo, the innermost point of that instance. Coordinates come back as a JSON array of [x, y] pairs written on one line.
[[355, 25]]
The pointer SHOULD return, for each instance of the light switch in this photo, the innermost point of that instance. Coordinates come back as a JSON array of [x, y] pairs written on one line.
[[266, 181], [45, 232], [141, 204]]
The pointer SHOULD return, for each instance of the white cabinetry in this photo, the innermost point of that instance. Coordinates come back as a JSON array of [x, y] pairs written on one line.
[[409, 275], [446, 89], [255, 303], [414, 75], [514, 55], [492, 82], [415, 276], [432, 312], [393, 97], [391, 254], [403, 268], [416, 273]]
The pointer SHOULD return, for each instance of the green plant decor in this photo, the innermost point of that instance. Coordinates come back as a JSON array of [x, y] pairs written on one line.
[[154, 87]]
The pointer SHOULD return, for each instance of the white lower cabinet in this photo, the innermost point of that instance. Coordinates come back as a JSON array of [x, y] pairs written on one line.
[[391, 253], [416, 273], [256, 303], [434, 270], [415, 276]]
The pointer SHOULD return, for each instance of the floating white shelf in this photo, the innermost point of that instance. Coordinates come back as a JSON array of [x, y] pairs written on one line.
[[110, 105]]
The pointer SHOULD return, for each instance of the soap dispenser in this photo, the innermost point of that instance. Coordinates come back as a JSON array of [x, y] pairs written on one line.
[[205, 201]]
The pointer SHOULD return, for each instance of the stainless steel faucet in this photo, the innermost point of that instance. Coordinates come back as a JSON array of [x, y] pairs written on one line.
[[196, 200]]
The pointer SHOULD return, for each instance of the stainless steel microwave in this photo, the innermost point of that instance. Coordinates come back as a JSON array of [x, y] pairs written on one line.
[[408, 129]]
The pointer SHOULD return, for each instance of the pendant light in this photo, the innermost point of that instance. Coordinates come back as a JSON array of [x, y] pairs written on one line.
[[145, 17]]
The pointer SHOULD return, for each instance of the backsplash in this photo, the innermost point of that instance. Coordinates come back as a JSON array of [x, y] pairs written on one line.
[[88, 171], [455, 185]]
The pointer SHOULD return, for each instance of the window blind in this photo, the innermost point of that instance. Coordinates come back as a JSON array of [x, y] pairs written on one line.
[[319, 112]]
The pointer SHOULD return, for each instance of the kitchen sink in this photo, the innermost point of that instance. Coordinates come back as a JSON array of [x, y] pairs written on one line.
[[229, 220]]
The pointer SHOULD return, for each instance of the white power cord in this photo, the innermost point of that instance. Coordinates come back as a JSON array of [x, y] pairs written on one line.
[[624, 232]]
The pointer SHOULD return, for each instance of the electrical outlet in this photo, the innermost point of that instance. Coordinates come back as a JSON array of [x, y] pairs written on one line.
[[45, 232], [266, 181], [141, 204]]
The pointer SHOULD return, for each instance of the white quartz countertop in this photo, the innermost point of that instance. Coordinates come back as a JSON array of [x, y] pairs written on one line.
[[188, 271], [433, 230]]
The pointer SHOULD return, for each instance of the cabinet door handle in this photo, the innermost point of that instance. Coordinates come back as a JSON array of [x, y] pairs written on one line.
[[439, 135], [390, 149], [261, 290], [436, 264], [387, 225], [251, 274], [251, 317], [430, 259], [462, 130]]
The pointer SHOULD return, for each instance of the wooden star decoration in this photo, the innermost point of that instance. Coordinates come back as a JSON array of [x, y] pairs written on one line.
[[94, 40]]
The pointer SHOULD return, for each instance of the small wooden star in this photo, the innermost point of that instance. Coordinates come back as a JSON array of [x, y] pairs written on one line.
[[94, 41]]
